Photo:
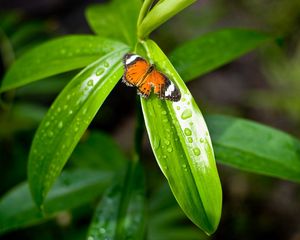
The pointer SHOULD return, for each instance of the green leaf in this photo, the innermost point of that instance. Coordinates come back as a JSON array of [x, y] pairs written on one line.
[[121, 213], [116, 19], [73, 188], [182, 147], [208, 52], [160, 13], [253, 147], [57, 56], [68, 118]]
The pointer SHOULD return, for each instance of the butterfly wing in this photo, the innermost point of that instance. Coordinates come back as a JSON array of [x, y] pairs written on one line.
[[163, 86], [135, 69]]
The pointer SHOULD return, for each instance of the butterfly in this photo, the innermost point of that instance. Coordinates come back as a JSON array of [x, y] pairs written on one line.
[[141, 74]]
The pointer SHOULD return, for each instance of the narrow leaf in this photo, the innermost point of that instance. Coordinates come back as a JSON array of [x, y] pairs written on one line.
[[17, 209], [57, 56], [116, 19], [68, 118], [160, 13], [182, 147], [253, 147], [208, 52], [120, 214]]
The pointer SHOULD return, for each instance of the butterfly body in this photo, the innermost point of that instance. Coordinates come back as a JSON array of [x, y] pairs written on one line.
[[145, 77]]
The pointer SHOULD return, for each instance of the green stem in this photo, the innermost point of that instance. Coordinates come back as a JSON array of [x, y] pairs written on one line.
[[143, 12]]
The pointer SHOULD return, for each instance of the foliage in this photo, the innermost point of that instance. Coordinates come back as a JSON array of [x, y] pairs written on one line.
[[178, 134]]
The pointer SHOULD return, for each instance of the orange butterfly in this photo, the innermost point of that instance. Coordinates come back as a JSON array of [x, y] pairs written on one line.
[[144, 76]]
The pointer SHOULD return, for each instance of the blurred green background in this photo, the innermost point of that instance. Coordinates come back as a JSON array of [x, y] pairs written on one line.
[[263, 86]]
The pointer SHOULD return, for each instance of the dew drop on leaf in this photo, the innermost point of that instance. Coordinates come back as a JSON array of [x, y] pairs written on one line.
[[90, 83], [156, 143], [196, 151], [105, 64], [60, 124], [187, 132], [100, 71], [169, 149], [187, 113], [190, 139]]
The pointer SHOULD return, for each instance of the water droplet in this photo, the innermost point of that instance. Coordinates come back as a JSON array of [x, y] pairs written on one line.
[[65, 106], [184, 167], [50, 134], [90, 238], [178, 108], [102, 230], [196, 151], [183, 99], [191, 123], [165, 120], [164, 156], [76, 129], [156, 143], [58, 109], [68, 97], [164, 112], [60, 124], [47, 124], [187, 132], [63, 51], [202, 140], [167, 142], [100, 71], [169, 149], [190, 140], [70, 112], [105, 64], [84, 111], [90, 83], [187, 113]]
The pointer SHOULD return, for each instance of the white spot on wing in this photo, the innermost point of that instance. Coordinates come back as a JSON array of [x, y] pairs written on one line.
[[131, 59], [170, 89]]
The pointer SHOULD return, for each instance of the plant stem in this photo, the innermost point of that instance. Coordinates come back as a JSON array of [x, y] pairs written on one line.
[[143, 12]]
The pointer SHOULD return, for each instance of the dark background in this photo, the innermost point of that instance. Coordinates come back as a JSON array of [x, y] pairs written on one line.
[[257, 86]]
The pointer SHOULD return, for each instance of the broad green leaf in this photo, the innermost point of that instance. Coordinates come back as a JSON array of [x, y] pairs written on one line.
[[116, 19], [182, 147], [57, 56], [121, 212], [68, 118], [73, 188], [210, 51], [160, 13], [253, 147]]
